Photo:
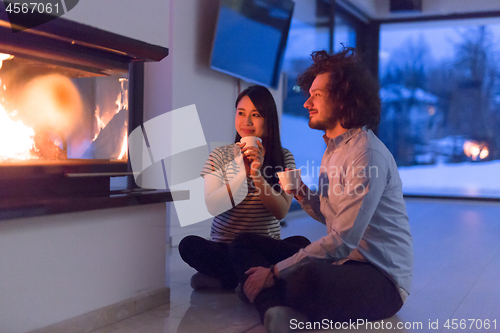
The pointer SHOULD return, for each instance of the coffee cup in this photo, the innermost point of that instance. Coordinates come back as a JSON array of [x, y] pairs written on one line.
[[251, 141], [290, 179]]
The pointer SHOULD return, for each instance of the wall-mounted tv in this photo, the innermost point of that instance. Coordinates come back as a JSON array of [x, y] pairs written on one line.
[[250, 39]]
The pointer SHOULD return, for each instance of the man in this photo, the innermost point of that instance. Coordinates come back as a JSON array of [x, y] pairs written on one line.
[[362, 268]]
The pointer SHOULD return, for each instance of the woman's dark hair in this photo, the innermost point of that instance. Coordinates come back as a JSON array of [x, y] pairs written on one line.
[[264, 102], [352, 90]]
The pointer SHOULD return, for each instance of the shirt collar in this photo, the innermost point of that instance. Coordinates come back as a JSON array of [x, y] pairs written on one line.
[[343, 138]]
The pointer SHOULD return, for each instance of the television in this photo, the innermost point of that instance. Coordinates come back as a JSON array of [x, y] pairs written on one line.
[[250, 39]]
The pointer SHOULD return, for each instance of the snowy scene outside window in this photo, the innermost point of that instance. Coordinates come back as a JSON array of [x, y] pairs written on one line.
[[440, 91]]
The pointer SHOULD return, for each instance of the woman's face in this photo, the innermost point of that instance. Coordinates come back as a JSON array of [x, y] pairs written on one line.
[[248, 121]]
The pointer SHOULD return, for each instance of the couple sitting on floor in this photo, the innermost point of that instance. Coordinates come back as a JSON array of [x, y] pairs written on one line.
[[362, 267]]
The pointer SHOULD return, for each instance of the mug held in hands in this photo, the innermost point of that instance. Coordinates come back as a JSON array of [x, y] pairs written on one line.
[[251, 141], [290, 179]]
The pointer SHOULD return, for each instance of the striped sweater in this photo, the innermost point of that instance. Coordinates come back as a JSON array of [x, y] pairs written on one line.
[[249, 215]]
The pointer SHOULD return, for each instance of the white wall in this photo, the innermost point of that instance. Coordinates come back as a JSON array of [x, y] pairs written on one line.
[[145, 20], [56, 267], [193, 81]]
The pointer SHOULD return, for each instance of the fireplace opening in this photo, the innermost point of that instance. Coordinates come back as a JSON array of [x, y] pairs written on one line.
[[55, 114]]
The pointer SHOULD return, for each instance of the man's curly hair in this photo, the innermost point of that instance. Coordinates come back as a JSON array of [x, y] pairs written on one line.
[[352, 90]]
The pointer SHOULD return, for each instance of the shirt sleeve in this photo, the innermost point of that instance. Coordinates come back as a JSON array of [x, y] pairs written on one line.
[[355, 204], [214, 165], [223, 191], [311, 205]]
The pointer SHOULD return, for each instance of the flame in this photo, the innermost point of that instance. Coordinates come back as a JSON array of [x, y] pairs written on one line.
[[52, 102], [474, 150], [122, 99], [118, 102], [123, 151], [102, 121], [484, 153], [16, 139], [4, 56], [121, 103]]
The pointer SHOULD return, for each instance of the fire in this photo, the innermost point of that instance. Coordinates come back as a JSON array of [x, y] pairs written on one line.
[[3, 57], [16, 139], [122, 99], [474, 150], [123, 151], [48, 117], [100, 123], [484, 153], [103, 120], [122, 103], [53, 103]]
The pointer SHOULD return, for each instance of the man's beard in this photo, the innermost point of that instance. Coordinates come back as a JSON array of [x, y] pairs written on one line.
[[322, 124]]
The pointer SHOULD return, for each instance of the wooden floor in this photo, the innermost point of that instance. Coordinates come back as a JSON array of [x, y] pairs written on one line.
[[456, 277]]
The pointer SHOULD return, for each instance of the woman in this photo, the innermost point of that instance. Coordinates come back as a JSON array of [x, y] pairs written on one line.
[[255, 202]]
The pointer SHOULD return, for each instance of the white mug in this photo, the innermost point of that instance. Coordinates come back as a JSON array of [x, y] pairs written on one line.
[[251, 141], [290, 179]]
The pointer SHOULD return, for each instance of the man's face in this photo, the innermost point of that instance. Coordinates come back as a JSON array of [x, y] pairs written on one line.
[[321, 115]]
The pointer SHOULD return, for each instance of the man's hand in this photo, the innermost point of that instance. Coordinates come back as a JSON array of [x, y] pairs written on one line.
[[299, 193], [258, 279]]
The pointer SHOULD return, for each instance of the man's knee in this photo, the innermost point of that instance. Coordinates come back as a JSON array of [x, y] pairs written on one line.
[[302, 280], [301, 289]]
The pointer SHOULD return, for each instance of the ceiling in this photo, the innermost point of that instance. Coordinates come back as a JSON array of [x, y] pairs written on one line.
[[380, 9]]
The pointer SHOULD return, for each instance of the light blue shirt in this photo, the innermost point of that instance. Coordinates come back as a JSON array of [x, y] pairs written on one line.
[[360, 199]]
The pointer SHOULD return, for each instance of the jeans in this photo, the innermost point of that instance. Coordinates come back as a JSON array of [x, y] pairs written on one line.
[[212, 258], [318, 289]]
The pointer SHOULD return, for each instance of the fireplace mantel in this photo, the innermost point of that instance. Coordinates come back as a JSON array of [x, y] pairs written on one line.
[[17, 208]]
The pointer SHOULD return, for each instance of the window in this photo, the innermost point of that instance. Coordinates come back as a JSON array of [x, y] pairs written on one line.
[[440, 91], [309, 31], [344, 33]]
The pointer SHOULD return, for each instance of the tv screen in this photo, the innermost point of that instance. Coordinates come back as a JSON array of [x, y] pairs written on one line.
[[250, 39]]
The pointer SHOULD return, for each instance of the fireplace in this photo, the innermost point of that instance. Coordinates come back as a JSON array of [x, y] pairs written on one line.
[[69, 96]]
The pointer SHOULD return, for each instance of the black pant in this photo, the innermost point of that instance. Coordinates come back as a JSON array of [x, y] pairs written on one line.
[[318, 289], [212, 258]]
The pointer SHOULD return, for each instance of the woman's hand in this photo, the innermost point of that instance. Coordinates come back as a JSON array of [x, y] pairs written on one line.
[[237, 149], [258, 279], [255, 158]]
